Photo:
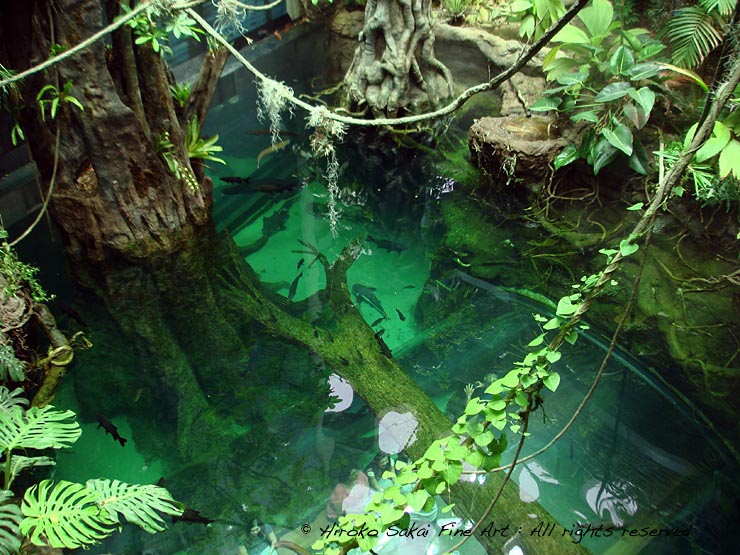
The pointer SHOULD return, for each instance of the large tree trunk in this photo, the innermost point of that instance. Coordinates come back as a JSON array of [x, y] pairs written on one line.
[[114, 192], [116, 200], [395, 70], [143, 240]]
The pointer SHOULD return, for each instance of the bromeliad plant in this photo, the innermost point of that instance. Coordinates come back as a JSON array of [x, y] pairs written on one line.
[[606, 76], [65, 514]]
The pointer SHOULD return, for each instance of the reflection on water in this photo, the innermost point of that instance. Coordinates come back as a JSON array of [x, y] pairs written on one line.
[[635, 459]]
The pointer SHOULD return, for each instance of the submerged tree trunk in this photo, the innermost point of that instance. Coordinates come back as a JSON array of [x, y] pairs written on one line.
[[142, 238], [116, 197], [395, 70]]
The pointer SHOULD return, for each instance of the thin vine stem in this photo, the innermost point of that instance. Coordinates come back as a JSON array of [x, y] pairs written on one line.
[[251, 7], [525, 417], [380, 122], [52, 181], [602, 367], [119, 22]]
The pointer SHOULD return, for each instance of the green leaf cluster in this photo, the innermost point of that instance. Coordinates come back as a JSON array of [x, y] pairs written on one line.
[[18, 275], [202, 148], [606, 76], [714, 172], [65, 514], [50, 96], [156, 32], [535, 16]]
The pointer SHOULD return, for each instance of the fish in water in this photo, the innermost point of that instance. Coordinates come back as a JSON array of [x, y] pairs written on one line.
[[379, 333], [235, 179], [376, 322], [300, 263], [294, 287], [110, 428], [409, 286], [276, 185], [271, 149], [366, 294], [401, 316], [192, 516], [390, 246]]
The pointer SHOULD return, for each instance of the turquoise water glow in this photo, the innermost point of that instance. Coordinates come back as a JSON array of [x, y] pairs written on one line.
[[637, 457]]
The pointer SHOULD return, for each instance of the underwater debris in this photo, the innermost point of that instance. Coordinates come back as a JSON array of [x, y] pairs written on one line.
[[272, 149]]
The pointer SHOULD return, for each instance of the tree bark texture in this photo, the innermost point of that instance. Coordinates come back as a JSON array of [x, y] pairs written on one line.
[[395, 70], [114, 192]]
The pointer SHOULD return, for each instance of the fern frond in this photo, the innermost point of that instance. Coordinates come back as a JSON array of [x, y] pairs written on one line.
[[723, 7], [37, 428], [693, 34], [138, 504], [10, 520], [65, 515]]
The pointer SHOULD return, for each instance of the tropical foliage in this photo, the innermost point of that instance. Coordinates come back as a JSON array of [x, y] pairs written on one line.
[[64, 514], [536, 16], [695, 31], [714, 172], [607, 76]]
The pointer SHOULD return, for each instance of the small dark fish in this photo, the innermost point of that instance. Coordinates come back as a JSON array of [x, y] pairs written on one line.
[[276, 185], [379, 333], [235, 179], [300, 263], [376, 322], [294, 287], [390, 246], [365, 293], [192, 516], [409, 286], [110, 428], [401, 316], [384, 348], [71, 312]]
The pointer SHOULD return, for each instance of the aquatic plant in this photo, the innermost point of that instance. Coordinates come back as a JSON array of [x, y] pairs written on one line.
[[65, 514]]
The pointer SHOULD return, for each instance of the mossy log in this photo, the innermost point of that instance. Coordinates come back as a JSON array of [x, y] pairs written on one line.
[[353, 351]]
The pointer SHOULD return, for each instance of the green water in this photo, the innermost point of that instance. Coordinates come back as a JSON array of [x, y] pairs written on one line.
[[636, 457]]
